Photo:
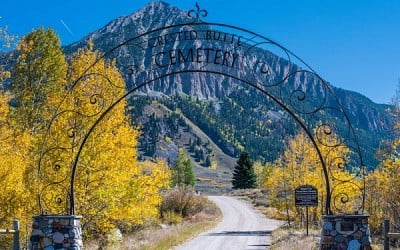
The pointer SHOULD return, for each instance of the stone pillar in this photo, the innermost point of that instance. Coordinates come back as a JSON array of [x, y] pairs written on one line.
[[56, 232], [345, 232]]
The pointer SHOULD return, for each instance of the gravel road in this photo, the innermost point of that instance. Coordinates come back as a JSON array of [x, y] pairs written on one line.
[[241, 228]]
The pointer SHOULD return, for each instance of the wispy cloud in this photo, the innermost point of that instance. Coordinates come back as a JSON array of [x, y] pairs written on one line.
[[66, 27]]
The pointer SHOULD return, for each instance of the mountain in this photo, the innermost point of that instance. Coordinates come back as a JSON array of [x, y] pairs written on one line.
[[215, 103], [178, 110]]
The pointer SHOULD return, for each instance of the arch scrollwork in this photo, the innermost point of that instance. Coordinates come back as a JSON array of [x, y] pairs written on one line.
[[156, 57]]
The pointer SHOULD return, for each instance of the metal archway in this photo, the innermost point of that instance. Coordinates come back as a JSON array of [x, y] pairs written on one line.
[[223, 51]]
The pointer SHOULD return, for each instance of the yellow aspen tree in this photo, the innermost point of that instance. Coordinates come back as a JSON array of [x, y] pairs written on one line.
[[377, 190], [38, 76], [13, 159], [7, 42], [300, 165], [278, 190], [383, 184], [39, 68], [111, 187], [259, 170], [37, 81]]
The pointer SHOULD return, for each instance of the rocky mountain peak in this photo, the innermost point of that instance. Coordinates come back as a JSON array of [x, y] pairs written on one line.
[[152, 16], [364, 115]]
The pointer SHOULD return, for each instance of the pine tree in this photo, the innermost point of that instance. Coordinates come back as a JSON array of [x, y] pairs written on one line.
[[243, 174], [183, 174]]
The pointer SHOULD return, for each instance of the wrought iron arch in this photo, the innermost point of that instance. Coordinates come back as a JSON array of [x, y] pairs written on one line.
[[232, 53]]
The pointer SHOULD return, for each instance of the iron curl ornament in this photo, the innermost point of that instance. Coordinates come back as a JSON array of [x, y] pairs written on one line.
[[197, 13], [160, 58]]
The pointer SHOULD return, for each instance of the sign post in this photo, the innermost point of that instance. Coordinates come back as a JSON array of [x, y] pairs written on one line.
[[306, 196]]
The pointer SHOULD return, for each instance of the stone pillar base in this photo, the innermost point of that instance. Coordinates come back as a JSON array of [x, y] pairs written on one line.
[[345, 232], [56, 232]]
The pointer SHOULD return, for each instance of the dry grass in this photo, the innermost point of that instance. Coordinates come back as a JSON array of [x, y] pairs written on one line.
[[295, 239], [213, 182], [167, 236], [163, 239]]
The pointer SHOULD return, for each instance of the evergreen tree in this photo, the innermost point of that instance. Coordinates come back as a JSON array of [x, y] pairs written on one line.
[[243, 174], [207, 162], [183, 174]]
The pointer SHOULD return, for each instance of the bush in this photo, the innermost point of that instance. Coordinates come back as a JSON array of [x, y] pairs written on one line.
[[182, 201], [170, 217]]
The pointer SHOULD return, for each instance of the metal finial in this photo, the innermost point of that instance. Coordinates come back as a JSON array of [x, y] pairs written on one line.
[[196, 13]]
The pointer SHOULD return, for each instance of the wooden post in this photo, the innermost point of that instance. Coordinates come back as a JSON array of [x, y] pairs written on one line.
[[16, 235], [386, 228], [307, 219]]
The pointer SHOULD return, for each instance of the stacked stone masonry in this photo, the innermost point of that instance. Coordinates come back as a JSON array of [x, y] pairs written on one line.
[[345, 232], [56, 232]]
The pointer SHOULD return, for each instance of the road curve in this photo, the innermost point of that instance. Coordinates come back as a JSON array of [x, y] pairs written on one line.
[[241, 228]]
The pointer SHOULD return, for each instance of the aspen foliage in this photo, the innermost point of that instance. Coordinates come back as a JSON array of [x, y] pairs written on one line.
[[56, 103], [183, 173], [12, 149], [300, 165], [13, 155], [383, 184], [263, 172], [7, 42], [112, 187], [37, 68], [38, 76]]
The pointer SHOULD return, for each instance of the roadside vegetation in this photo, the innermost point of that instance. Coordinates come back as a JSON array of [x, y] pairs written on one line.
[[115, 192], [184, 214]]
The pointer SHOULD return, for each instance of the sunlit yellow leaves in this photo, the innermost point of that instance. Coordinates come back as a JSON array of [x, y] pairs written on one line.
[[61, 110], [13, 160], [300, 164], [383, 195], [37, 79], [7, 42], [112, 187], [383, 184]]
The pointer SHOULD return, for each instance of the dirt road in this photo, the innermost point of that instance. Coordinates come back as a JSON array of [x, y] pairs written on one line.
[[241, 228]]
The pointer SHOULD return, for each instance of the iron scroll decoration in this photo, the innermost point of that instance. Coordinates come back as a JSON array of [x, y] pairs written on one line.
[[164, 53]]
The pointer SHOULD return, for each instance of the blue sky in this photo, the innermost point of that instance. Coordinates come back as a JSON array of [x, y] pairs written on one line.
[[353, 44]]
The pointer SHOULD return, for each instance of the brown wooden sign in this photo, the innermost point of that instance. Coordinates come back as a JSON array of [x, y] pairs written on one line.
[[306, 195]]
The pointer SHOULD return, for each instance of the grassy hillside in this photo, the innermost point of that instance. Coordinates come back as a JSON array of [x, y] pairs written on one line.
[[175, 130]]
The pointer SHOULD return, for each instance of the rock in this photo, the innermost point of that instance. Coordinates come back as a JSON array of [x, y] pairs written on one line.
[[333, 233], [354, 245], [327, 240], [327, 225], [58, 237], [37, 232]]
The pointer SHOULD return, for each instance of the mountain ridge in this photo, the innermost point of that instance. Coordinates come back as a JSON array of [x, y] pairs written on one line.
[[365, 115], [219, 96]]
